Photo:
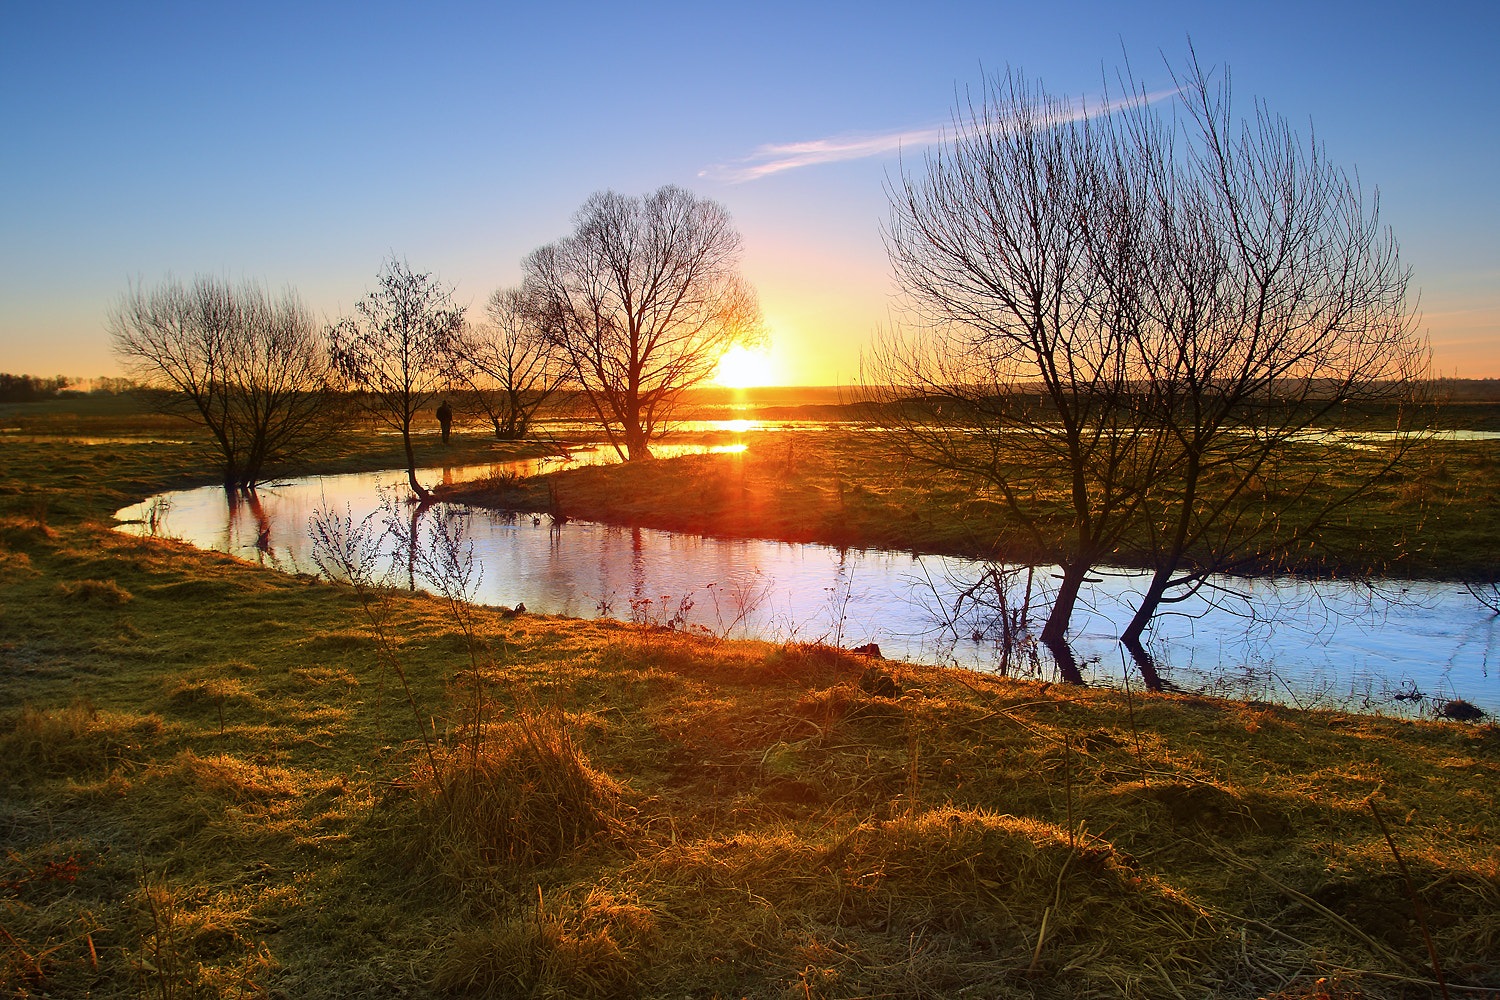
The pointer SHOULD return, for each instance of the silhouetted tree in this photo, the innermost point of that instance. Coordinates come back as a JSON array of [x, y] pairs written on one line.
[[1023, 379], [1136, 320], [397, 350], [250, 368], [644, 299], [511, 363], [1266, 298]]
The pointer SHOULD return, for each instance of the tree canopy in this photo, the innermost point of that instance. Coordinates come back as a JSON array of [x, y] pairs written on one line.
[[1131, 318], [643, 299]]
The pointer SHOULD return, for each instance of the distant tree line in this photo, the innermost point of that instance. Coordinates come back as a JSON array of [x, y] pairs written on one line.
[[29, 388]]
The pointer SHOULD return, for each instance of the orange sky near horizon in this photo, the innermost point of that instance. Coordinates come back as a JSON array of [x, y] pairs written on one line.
[[800, 121], [818, 339]]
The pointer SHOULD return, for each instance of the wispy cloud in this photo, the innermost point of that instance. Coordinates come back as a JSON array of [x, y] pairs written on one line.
[[777, 158]]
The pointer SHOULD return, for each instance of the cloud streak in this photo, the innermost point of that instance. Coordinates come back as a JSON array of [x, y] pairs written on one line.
[[776, 158]]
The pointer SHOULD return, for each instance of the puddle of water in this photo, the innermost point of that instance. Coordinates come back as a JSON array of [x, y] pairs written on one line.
[[1285, 640], [14, 434]]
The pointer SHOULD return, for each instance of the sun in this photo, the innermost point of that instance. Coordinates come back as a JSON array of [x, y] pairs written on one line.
[[741, 368]]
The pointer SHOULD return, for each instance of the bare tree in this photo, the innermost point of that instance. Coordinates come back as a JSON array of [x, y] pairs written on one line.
[[1024, 380], [511, 364], [397, 349], [251, 369], [647, 297], [1181, 304], [1267, 300]]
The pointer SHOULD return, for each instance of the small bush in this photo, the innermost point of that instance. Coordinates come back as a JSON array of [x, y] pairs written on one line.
[[1459, 710], [528, 796], [95, 592]]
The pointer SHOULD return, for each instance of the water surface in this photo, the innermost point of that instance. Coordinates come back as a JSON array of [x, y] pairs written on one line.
[[1287, 640]]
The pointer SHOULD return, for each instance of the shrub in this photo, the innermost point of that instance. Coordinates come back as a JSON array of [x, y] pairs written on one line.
[[524, 796]]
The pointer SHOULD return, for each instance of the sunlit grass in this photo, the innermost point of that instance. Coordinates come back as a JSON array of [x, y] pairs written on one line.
[[213, 789], [856, 488]]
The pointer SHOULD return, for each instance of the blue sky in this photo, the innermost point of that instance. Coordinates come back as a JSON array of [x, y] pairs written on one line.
[[300, 144]]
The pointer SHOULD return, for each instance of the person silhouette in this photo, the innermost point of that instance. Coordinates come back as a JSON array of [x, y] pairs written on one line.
[[445, 418]]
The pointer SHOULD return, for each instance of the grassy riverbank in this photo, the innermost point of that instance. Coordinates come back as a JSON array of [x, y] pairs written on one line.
[[1437, 517], [220, 781]]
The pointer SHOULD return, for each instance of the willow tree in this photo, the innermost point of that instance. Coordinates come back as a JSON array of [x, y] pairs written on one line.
[[249, 367], [645, 297]]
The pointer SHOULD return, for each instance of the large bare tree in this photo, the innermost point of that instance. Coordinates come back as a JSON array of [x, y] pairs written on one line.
[[396, 352], [1023, 379], [647, 296], [1147, 315], [1268, 300], [250, 368], [511, 364]]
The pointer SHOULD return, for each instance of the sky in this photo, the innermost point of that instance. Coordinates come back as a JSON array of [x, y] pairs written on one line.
[[299, 145]]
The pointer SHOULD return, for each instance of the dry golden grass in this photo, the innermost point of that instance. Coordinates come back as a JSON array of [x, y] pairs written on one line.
[[521, 796], [74, 741], [98, 591], [601, 947], [213, 790]]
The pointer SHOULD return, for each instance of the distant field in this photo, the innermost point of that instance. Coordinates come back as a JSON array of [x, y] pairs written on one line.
[[1473, 404]]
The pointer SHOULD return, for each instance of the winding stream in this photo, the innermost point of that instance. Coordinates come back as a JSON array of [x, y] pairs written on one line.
[[1285, 640]]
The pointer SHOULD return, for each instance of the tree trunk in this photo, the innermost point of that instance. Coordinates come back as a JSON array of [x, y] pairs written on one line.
[[411, 464], [636, 447], [1056, 629], [1146, 610]]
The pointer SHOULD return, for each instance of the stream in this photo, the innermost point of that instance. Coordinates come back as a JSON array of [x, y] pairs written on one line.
[[1391, 646]]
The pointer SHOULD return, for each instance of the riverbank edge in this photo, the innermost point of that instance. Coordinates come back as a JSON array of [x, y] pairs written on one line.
[[556, 494]]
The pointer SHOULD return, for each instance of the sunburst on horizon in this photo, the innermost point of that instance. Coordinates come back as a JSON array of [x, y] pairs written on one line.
[[743, 368]]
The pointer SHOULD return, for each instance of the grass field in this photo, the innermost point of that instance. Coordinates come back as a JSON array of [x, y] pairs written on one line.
[[1438, 516], [219, 781]]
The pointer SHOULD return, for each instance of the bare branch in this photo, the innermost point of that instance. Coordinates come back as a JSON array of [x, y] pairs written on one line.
[[643, 300], [251, 369]]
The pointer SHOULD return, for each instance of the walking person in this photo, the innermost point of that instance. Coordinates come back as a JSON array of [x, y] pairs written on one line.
[[445, 418]]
